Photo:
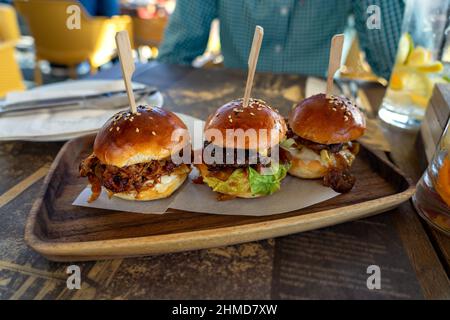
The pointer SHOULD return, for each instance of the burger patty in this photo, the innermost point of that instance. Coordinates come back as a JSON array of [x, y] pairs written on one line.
[[334, 148], [130, 178], [254, 159]]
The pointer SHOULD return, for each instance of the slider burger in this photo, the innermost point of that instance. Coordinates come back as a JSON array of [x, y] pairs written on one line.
[[243, 167], [132, 156], [321, 140]]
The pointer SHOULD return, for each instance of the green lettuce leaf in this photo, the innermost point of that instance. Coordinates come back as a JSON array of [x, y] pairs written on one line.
[[239, 182], [267, 184], [288, 143], [236, 183]]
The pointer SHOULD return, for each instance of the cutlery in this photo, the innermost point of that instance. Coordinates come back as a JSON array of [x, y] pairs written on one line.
[[101, 101]]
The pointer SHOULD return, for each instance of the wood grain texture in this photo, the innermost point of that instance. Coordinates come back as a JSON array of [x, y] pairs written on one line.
[[252, 62], [334, 62], [423, 251], [23, 185], [127, 64], [440, 103], [435, 120], [432, 128], [421, 254], [61, 231]]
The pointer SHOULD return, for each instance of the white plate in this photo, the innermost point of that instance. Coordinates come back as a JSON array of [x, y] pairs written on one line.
[[64, 125], [188, 120]]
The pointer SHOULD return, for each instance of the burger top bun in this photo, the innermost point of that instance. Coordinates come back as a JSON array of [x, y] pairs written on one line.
[[327, 120], [250, 120], [128, 138]]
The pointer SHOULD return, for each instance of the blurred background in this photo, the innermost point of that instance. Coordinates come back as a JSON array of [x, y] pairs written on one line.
[[22, 26], [23, 65]]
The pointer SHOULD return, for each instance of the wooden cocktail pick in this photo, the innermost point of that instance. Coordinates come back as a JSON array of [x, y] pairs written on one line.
[[127, 64], [335, 60], [252, 61]]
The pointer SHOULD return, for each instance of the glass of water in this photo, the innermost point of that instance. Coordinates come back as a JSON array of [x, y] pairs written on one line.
[[420, 63], [432, 197]]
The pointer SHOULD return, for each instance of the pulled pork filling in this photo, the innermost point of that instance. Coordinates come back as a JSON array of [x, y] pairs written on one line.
[[135, 177], [338, 176], [334, 148]]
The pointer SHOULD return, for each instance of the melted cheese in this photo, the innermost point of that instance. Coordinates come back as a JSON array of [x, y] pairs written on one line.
[[327, 158]]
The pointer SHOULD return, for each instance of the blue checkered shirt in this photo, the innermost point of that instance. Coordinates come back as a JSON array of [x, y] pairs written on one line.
[[297, 33]]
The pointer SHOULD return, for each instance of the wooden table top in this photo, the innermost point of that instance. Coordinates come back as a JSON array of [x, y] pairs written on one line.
[[409, 251]]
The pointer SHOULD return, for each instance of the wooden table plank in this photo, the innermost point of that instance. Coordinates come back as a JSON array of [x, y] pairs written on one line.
[[23, 185], [442, 246]]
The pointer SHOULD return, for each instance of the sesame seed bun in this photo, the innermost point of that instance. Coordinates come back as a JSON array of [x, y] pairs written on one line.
[[258, 115], [327, 120], [128, 138]]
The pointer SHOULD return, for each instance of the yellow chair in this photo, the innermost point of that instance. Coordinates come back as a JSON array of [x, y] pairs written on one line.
[[10, 74], [57, 43], [9, 29], [148, 32]]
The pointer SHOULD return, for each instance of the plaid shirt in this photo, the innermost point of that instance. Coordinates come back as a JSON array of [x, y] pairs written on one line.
[[297, 33]]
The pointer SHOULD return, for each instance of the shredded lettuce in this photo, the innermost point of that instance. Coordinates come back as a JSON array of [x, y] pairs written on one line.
[[288, 143], [236, 183], [255, 183]]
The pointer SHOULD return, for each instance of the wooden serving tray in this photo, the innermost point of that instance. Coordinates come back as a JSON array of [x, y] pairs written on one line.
[[63, 232]]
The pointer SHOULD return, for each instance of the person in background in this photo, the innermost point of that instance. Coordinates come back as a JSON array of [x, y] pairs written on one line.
[[105, 8], [297, 33]]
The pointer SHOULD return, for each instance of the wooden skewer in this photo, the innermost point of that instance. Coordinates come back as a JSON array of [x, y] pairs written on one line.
[[127, 64], [335, 60], [252, 61]]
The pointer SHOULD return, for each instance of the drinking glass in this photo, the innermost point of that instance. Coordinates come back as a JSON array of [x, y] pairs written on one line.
[[419, 63], [432, 197]]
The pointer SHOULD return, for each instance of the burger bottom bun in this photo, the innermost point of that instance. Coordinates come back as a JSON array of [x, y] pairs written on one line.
[[164, 189], [307, 169], [248, 195]]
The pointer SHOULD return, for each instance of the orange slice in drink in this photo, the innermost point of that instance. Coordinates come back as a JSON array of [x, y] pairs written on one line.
[[419, 56], [396, 81], [443, 181]]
